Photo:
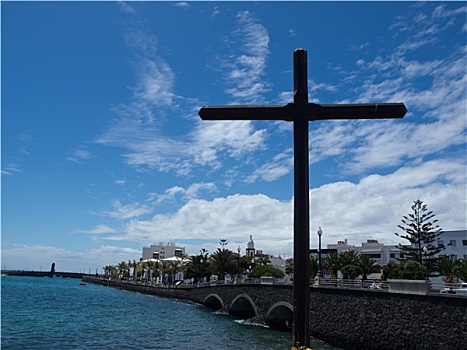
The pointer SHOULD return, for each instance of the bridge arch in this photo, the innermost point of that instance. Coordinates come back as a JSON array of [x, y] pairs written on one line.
[[213, 301], [280, 315], [243, 306]]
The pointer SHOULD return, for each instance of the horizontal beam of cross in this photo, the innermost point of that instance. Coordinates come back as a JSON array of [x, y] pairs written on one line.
[[312, 111]]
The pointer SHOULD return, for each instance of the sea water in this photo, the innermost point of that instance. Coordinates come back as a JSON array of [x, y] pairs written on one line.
[[60, 313]]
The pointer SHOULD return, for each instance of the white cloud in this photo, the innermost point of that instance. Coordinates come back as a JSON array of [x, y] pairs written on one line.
[[234, 138], [182, 4], [374, 206], [281, 164], [128, 211], [11, 169], [97, 230], [124, 7], [371, 208], [79, 155], [193, 191], [434, 92], [245, 71]]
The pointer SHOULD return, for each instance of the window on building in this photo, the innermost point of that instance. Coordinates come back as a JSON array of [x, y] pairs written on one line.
[[452, 242], [454, 257], [374, 256], [392, 255], [465, 257], [464, 242], [440, 243]]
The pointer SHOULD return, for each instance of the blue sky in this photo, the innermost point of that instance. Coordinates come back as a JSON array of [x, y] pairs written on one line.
[[103, 151]]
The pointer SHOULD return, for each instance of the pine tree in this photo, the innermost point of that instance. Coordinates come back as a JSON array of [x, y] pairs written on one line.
[[421, 232]]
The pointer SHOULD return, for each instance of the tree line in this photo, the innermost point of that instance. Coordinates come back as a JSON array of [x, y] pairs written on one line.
[[200, 267]]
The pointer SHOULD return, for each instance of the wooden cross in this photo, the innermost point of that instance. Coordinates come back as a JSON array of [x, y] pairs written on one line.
[[300, 112]]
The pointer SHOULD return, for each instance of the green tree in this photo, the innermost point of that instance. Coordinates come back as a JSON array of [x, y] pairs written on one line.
[[367, 266], [313, 266], [197, 266], [133, 265], [350, 271], [348, 264], [122, 268], [222, 261], [407, 269], [144, 269], [266, 270], [245, 262], [110, 270], [331, 264], [460, 270], [263, 260], [446, 267], [421, 231]]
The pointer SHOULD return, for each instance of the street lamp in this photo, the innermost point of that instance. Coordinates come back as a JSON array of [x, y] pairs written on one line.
[[320, 233], [238, 262], [201, 261], [425, 250]]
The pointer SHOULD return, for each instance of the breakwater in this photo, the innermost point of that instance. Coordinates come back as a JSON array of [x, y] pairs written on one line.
[[346, 318], [42, 274]]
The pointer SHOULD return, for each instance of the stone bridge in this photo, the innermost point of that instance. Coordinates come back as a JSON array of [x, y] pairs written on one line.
[[346, 318], [269, 304]]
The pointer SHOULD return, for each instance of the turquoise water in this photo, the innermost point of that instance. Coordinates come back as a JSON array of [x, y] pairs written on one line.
[[59, 313]]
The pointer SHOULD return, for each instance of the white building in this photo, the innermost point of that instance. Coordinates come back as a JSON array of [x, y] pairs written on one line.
[[161, 251], [454, 241]]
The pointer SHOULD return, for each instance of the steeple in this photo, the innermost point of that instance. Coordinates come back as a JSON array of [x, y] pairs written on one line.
[[250, 248]]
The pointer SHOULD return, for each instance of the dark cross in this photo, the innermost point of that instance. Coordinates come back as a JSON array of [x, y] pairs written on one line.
[[300, 112]]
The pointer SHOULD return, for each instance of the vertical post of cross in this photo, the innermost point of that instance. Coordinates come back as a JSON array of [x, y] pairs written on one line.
[[301, 285], [300, 112]]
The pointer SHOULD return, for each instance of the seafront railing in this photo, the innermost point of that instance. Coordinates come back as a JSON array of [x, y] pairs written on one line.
[[322, 282]]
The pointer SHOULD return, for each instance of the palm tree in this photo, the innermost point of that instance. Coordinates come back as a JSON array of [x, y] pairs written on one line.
[[446, 267], [149, 265], [313, 266], [109, 270], [367, 266], [134, 265], [196, 267], [122, 268], [144, 266], [460, 270], [263, 260], [222, 261], [331, 264], [348, 264]]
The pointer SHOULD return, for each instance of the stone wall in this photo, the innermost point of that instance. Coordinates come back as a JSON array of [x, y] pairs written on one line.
[[359, 319], [353, 319]]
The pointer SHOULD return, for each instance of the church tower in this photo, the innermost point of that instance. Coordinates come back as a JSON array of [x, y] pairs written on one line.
[[250, 248]]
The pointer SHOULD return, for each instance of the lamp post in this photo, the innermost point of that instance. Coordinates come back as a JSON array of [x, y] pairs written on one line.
[[425, 250], [320, 232], [201, 261], [238, 262]]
